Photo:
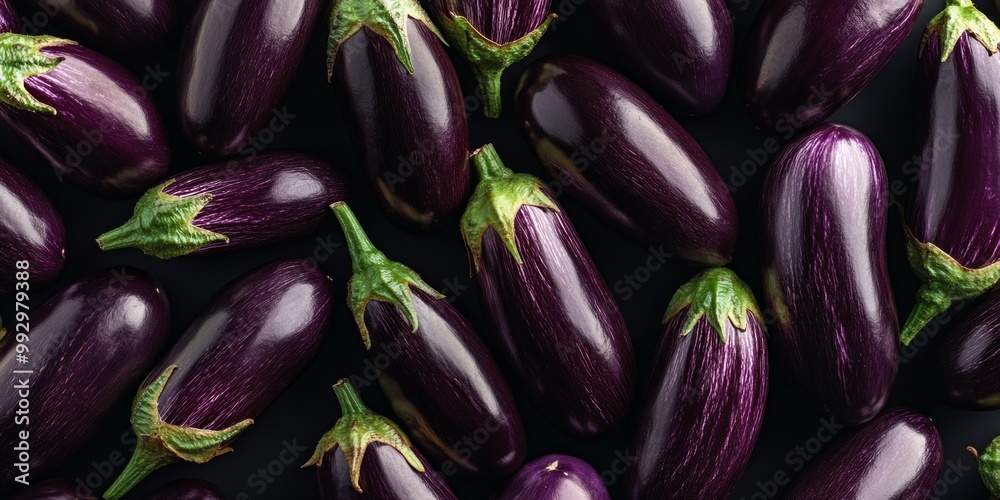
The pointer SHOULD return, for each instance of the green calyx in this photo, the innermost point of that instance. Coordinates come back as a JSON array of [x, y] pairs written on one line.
[[958, 17], [385, 17], [358, 428], [162, 226], [160, 444], [989, 466], [375, 276], [21, 57], [717, 294], [498, 198]]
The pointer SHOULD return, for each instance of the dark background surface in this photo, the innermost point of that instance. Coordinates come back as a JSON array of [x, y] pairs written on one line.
[[885, 111]]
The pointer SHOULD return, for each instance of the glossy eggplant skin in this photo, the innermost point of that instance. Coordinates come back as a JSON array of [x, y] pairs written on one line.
[[825, 275], [9, 20], [968, 361], [186, 489], [31, 230], [410, 129], [805, 59], [680, 50], [385, 475], [648, 177], [556, 477], [106, 137], [237, 60], [898, 456], [53, 489], [89, 344]]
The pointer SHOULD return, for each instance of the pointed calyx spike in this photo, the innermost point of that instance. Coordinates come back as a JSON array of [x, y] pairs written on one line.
[[989, 466], [162, 226], [21, 57], [358, 428], [957, 18], [160, 444], [717, 294], [385, 17], [376, 277], [496, 202]]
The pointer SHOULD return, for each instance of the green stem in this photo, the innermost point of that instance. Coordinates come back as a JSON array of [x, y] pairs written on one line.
[[350, 401], [929, 304], [123, 236], [147, 458], [489, 82], [959, 3], [364, 255], [488, 164]]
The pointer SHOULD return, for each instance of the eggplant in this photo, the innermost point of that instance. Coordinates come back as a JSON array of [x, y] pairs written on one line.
[[84, 113], [367, 456], [953, 221], [556, 477], [442, 382], [400, 92], [31, 230], [805, 59], [898, 455], [9, 20], [492, 35], [553, 315], [680, 50], [640, 171], [968, 361], [53, 489], [186, 489], [988, 464], [235, 359], [237, 60], [232, 205], [825, 277], [707, 393], [89, 343]]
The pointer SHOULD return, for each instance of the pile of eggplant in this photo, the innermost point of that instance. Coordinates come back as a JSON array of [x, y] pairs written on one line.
[[550, 350]]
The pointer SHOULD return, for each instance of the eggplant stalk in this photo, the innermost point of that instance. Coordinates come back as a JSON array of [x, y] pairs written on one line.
[[21, 57], [718, 294], [989, 466], [958, 17]]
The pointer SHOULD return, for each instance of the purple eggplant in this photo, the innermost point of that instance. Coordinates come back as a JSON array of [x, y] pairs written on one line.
[[236, 358], [442, 382], [556, 477], [553, 314], [88, 116], [805, 59], [9, 21], [368, 457], [237, 60], [30, 229], [898, 455], [953, 240], [642, 172], [86, 348], [232, 205], [706, 394], [825, 276], [968, 362], [681, 50], [399, 89], [53, 489], [186, 489], [989, 466]]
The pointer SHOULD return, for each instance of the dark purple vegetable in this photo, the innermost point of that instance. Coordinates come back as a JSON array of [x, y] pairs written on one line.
[[242, 352], [30, 229], [406, 104], [237, 61], [989, 466], [441, 381], [643, 173], [87, 346], [186, 489], [706, 394], [9, 21], [232, 205], [53, 489], [368, 457], [556, 477], [805, 59], [553, 314], [825, 275], [968, 362], [680, 50], [898, 455], [88, 116]]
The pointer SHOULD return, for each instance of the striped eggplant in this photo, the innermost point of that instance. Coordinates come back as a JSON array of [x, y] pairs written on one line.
[[9, 21], [556, 477], [706, 394], [86, 347], [368, 457], [553, 314], [680, 50], [988, 464], [805, 59], [52, 489], [442, 382], [898, 455], [398, 87], [186, 489], [953, 238], [825, 276], [622, 156], [236, 358], [492, 35], [237, 60], [232, 205], [88, 116], [968, 361], [30, 229]]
